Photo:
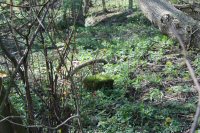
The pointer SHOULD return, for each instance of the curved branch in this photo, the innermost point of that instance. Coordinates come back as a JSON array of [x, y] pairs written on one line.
[[87, 64]]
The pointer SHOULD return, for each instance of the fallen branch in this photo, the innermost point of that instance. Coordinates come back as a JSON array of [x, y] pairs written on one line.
[[87, 64]]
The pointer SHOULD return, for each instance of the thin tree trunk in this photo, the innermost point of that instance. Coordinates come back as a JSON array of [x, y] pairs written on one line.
[[86, 7], [31, 118], [77, 12], [104, 6], [130, 4], [166, 17]]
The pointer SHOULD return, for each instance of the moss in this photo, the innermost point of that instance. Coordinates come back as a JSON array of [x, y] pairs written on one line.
[[96, 82]]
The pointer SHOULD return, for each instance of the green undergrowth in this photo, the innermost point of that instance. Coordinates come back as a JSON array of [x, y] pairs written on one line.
[[153, 91]]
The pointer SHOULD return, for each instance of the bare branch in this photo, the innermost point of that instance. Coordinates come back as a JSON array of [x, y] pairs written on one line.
[[36, 126], [195, 80], [86, 64], [25, 55]]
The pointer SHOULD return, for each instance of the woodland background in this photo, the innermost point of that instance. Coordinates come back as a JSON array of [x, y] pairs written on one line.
[[95, 66]]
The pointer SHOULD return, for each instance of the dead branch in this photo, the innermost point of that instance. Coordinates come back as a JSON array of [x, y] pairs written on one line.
[[87, 64]]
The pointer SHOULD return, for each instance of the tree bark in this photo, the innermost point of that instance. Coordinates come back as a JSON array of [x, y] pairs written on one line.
[[86, 6], [192, 9], [77, 12], [104, 6], [130, 4], [167, 18]]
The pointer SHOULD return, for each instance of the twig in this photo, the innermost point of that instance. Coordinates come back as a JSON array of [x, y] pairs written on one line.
[[192, 74], [10, 117], [20, 6], [26, 53], [36, 126]]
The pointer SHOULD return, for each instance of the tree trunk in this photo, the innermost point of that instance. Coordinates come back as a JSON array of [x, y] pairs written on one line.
[[86, 6], [167, 18], [104, 6], [130, 4], [77, 11]]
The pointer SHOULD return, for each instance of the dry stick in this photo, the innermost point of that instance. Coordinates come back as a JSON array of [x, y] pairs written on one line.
[[10, 25], [26, 52], [73, 87], [61, 58], [64, 54], [11, 58], [76, 104], [20, 6], [9, 117], [37, 126], [87, 64], [192, 74], [51, 39]]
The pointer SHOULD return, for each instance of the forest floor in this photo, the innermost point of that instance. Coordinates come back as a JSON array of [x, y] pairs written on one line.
[[153, 91]]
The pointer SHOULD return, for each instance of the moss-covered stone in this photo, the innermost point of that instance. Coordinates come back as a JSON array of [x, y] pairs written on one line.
[[98, 81]]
